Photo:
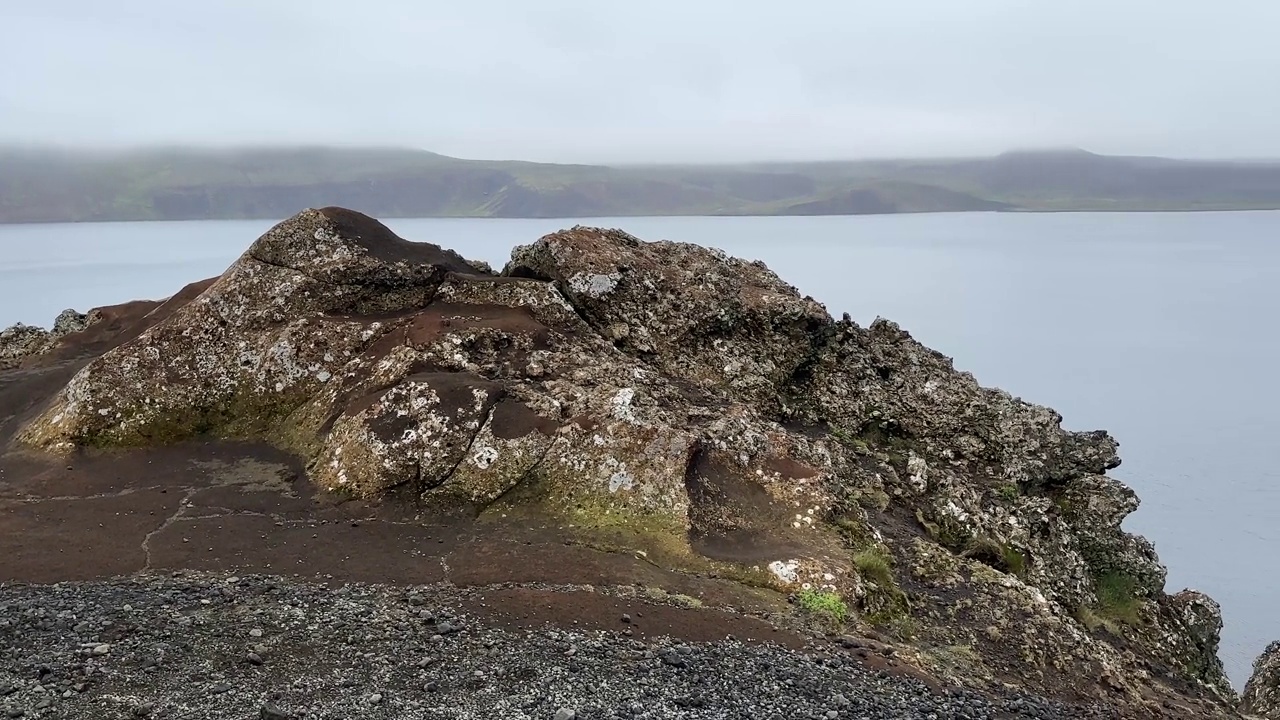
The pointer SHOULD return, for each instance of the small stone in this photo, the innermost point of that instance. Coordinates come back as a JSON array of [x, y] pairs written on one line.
[[220, 688], [626, 619], [565, 714], [256, 632], [431, 686], [254, 658], [16, 712], [375, 698], [272, 712], [102, 649]]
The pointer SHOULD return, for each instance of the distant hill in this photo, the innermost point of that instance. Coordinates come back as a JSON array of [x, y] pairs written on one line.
[[44, 185]]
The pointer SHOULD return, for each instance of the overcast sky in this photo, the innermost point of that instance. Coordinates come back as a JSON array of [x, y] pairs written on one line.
[[613, 81]]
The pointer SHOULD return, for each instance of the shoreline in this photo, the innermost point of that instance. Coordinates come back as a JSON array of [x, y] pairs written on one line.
[[393, 216]]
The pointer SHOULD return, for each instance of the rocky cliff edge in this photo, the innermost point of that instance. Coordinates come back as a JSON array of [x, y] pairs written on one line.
[[678, 400]]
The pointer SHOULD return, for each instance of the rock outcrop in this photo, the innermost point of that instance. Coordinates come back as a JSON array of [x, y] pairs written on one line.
[[22, 341], [1261, 697], [696, 402]]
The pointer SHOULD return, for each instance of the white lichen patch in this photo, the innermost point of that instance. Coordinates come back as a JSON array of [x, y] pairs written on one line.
[[594, 285], [621, 404], [918, 473], [484, 456], [786, 570]]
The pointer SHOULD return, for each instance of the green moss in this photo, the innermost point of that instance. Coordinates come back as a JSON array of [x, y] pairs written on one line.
[[823, 604], [1117, 598], [856, 444], [884, 433], [1093, 621], [946, 531], [854, 532], [1009, 492], [998, 555], [874, 565], [886, 604], [244, 415], [1015, 560]]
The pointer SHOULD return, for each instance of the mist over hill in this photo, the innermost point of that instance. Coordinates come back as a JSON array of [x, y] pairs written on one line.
[[54, 185]]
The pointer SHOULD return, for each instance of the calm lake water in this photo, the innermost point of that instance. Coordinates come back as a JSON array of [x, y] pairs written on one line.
[[1157, 327]]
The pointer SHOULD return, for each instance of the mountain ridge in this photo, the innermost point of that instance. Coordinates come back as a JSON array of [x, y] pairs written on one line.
[[67, 185]]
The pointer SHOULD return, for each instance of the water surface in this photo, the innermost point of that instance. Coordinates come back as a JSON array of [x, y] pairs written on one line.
[[1158, 327]]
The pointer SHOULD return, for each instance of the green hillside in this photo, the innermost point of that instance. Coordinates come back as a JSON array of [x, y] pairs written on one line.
[[42, 185]]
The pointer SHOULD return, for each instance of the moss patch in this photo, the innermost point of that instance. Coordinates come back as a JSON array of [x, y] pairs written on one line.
[[823, 604], [1117, 598], [998, 555], [886, 605], [946, 531], [874, 566]]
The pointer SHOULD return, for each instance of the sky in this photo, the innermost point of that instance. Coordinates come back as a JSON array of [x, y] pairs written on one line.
[[625, 82]]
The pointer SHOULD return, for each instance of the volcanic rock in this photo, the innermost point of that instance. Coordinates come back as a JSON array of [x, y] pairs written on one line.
[[692, 400]]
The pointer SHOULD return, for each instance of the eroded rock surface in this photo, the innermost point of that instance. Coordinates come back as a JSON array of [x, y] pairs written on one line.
[[22, 341], [698, 403], [1261, 696]]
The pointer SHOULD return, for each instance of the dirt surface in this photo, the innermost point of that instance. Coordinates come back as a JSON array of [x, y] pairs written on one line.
[[236, 507]]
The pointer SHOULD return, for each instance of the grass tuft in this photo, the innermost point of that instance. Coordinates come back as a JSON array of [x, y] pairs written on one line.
[[1118, 598], [873, 565], [823, 604]]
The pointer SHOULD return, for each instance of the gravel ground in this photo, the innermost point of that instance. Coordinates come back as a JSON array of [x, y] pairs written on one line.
[[200, 646]]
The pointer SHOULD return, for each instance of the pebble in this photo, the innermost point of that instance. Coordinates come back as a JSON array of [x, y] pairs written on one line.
[[272, 712], [335, 645]]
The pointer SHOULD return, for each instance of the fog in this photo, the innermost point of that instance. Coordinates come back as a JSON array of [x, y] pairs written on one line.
[[715, 80]]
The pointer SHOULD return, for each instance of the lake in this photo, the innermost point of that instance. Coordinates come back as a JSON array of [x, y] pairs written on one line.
[[1158, 327]]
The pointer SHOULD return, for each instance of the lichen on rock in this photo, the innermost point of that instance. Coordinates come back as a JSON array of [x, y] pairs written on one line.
[[1261, 697], [692, 397], [21, 341]]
